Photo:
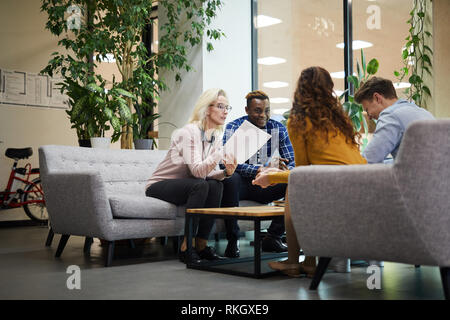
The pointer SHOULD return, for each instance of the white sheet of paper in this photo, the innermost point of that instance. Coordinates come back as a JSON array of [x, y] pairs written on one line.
[[245, 142]]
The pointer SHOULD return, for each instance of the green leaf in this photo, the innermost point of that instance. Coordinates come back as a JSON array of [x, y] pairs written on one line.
[[125, 93], [372, 66], [426, 90], [94, 87], [363, 62], [354, 80], [124, 111]]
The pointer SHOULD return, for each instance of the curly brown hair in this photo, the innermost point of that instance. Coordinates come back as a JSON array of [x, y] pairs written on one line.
[[314, 99]]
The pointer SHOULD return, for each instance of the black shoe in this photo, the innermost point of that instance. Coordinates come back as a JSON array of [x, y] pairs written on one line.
[[232, 250], [270, 244], [209, 253], [194, 256]]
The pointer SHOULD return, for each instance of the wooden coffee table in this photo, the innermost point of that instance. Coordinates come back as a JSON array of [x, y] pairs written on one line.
[[228, 266]]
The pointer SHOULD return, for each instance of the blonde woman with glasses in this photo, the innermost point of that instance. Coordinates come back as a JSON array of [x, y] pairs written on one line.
[[189, 175]]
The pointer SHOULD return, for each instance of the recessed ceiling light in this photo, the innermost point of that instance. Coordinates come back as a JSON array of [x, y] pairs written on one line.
[[271, 60], [275, 84], [356, 44], [279, 100], [279, 111], [265, 21], [402, 85], [338, 75]]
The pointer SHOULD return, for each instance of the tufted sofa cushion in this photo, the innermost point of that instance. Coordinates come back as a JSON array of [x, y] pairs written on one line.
[[141, 207]]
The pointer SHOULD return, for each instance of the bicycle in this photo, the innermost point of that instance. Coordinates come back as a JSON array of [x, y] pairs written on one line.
[[21, 191]]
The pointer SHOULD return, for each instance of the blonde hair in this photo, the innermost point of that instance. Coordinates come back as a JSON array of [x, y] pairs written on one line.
[[198, 116]]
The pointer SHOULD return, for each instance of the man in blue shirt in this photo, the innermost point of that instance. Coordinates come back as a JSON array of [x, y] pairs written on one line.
[[277, 151], [394, 115]]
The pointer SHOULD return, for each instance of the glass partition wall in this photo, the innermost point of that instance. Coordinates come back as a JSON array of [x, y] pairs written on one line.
[[295, 34]]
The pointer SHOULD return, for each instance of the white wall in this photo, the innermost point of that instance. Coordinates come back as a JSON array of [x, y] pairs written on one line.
[[227, 67]]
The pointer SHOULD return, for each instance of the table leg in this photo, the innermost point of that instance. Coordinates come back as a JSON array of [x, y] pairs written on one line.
[[188, 235], [257, 247]]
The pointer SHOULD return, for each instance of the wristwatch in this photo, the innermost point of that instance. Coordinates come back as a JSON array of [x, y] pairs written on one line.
[[225, 173]]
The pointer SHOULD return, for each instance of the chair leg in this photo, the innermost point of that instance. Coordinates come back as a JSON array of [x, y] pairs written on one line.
[[87, 244], [49, 240], [61, 245], [163, 241], [445, 276], [176, 241], [109, 253], [216, 237], [320, 271]]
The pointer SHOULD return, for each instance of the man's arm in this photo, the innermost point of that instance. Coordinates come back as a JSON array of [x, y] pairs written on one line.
[[386, 138], [285, 147]]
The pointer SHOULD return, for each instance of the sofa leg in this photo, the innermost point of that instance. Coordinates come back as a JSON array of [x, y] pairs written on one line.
[[109, 253], [87, 244], [445, 276], [320, 271], [176, 242], [417, 266], [49, 240], [61, 245]]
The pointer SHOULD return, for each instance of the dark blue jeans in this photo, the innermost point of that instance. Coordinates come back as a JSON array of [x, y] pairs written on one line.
[[192, 192], [236, 188]]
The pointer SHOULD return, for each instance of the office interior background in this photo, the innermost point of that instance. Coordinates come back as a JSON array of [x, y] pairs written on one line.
[[267, 44]]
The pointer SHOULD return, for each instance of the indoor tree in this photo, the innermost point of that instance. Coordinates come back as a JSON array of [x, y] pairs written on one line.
[[112, 30]]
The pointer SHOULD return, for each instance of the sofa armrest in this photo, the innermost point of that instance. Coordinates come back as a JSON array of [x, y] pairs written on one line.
[[354, 211], [77, 203]]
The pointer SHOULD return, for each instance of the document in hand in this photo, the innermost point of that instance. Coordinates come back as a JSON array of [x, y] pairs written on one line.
[[245, 142]]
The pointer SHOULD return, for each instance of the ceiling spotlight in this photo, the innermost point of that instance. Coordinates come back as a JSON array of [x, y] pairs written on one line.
[[338, 75], [356, 44], [275, 84], [279, 111], [402, 85], [271, 60], [265, 21], [279, 100]]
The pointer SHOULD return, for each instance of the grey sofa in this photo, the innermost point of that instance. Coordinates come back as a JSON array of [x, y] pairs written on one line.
[[398, 213], [101, 193]]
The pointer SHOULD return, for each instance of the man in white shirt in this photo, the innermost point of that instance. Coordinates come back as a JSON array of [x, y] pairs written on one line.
[[393, 116]]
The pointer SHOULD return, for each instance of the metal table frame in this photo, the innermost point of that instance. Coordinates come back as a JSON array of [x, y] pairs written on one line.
[[257, 258]]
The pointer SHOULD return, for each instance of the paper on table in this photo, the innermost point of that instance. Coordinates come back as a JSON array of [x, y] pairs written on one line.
[[245, 142]]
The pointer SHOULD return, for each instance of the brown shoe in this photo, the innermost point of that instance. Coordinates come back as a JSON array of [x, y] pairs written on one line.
[[292, 269]]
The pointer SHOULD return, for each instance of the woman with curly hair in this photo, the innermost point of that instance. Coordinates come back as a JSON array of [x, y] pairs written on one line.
[[321, 133]]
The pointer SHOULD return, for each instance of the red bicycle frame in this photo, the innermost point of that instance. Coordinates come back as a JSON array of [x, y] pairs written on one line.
[[6, 195]]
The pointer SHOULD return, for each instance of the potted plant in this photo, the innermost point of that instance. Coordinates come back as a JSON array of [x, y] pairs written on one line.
[[142, 123], [355, 110]]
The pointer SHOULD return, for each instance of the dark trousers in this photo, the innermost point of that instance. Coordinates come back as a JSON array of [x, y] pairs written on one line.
[[238, 188], [193, 193]]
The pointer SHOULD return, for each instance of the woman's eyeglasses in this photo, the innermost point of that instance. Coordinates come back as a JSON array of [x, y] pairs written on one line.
[[223, 107]]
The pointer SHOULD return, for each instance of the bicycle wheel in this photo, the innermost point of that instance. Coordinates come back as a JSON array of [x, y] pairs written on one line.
[[37, 211]]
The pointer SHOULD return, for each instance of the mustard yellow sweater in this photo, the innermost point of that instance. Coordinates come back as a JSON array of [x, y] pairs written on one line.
[[312, 148]]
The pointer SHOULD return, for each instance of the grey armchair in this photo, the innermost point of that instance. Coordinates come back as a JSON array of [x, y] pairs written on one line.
[[398, 213]]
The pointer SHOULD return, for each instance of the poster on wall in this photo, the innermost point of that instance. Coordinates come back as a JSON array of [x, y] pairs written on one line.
[[31, 89]]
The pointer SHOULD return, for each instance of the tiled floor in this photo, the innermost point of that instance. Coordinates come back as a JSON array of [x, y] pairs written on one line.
[[28, 270]]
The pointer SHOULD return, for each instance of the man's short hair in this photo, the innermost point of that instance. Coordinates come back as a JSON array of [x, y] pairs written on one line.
[[257, 94], [385, 87]]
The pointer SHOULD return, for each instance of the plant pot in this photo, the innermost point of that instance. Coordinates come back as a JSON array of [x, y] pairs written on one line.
[[85, 143], [143, 144], [101, 143]]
